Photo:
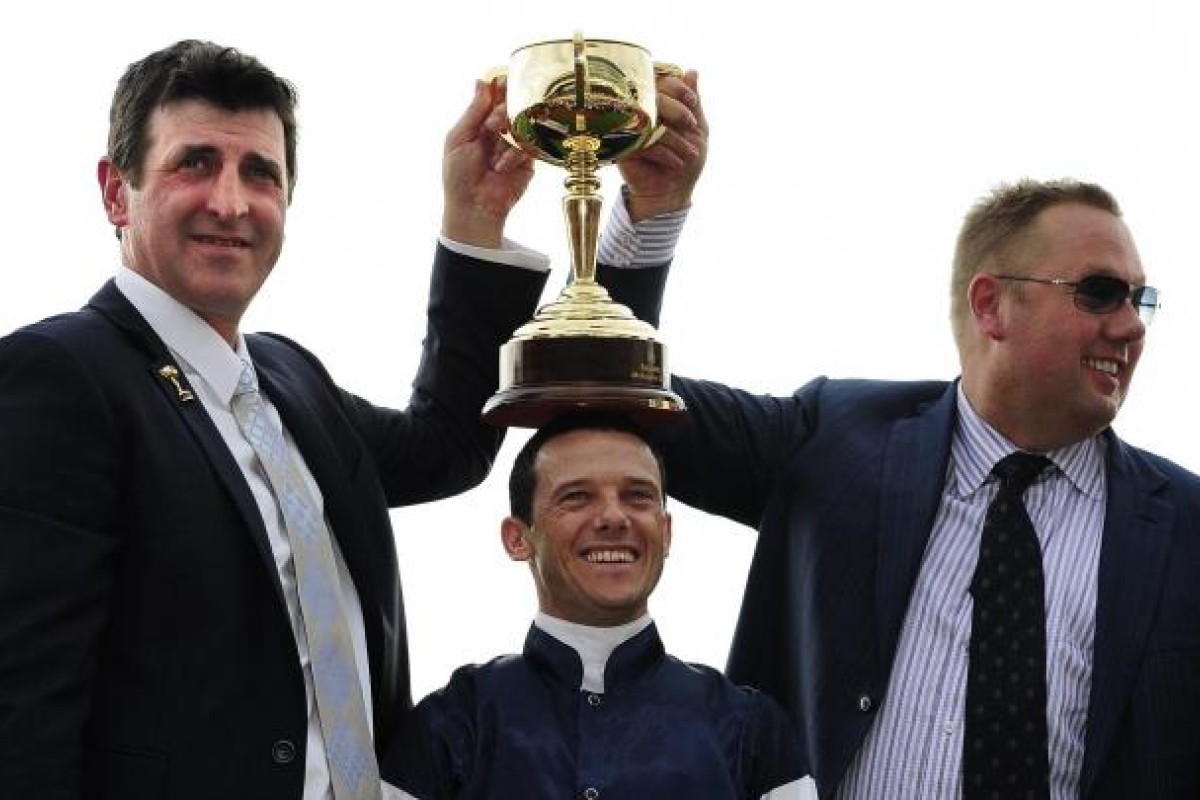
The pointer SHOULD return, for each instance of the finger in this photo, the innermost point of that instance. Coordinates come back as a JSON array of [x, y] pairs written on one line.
[[468, 125], [676, 115], [510, 159], [684, 87], [685, 147], [679, 104], [497, 119], [663, 157], [692, 100]]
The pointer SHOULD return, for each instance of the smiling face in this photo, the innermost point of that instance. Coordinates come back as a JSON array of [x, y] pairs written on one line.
[[599, 531], [1054, 374], [206, 221]]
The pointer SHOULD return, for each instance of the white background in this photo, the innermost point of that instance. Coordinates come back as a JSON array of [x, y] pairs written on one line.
[[847, 141]]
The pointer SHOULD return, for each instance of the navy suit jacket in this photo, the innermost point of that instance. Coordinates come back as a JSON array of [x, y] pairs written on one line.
[[145, 647], [843, 481]]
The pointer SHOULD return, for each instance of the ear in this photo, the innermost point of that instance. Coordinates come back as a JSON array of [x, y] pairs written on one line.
[[514, 535], [983, 299], [666, 534], [114, 191]]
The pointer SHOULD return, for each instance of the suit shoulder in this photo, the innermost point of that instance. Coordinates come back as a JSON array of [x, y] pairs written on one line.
[[72, 328], [1180, 478], [276, 351], [871, 399], [276, 346], [884, 392], [67, 347]]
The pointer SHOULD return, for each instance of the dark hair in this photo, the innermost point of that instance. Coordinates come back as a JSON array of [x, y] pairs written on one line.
[[998, 223], [523, 478], [194, 70]]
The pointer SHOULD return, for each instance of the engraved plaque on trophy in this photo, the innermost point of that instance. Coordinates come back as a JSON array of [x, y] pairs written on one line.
[[582, 104]]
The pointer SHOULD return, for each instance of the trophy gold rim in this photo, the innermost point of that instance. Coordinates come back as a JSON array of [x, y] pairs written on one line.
[[662, 69], [586, 39]]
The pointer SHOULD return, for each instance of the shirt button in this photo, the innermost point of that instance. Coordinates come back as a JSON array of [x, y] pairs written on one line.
[[283, 751], [591, 793], [594, 699], [865, 703]]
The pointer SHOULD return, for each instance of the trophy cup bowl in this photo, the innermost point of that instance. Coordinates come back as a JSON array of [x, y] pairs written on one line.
[[581, 104]]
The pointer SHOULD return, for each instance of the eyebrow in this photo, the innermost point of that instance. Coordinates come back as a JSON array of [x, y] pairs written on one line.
[[190, 150], [584, 483], [577, 483], [252, 159], [1105, 271]]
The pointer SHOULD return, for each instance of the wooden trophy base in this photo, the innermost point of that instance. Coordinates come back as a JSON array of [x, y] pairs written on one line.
[[542, 378]]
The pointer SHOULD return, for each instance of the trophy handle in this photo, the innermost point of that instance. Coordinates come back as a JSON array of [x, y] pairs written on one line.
[[656, 134], [665, 69]]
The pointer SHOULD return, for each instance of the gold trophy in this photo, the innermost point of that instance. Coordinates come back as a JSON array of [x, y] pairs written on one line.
[[582, 104]]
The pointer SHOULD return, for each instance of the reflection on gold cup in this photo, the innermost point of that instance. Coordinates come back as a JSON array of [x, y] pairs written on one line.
[[581, 105]]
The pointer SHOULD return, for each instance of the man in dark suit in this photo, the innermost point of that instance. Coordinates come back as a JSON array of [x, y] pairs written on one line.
[[151, 625], [870, 496], [154, 635]]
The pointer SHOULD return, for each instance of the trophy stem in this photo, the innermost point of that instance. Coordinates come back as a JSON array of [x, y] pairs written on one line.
[[582, 205]]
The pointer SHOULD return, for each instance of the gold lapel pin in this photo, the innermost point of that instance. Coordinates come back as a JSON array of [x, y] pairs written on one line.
[[169, 372]]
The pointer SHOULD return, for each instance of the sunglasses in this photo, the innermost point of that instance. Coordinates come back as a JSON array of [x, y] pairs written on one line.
[[1102, 294]]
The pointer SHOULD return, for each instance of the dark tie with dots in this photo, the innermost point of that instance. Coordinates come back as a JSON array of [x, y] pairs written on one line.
[[1004, 741]]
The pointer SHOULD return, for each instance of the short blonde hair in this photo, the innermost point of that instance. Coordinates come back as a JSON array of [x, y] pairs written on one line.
[[998, 224]]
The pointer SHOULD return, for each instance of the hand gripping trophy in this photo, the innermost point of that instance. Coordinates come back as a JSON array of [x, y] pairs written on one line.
[[581, 105]]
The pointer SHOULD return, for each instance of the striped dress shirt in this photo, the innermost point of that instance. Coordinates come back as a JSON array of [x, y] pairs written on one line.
[[649, 243], [914, 748]]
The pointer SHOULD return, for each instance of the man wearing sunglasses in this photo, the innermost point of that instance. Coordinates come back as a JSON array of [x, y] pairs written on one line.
[[875, 500]]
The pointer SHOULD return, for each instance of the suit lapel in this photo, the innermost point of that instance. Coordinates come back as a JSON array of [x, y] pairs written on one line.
[[914, 469], [1133, 557], [171, 384]]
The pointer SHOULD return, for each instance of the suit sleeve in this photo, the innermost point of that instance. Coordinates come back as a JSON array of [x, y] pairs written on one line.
[[639, 288], [733, 445], [59, 497], [474, 307]]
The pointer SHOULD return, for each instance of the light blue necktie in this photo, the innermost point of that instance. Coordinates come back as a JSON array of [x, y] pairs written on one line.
[[353, 771]]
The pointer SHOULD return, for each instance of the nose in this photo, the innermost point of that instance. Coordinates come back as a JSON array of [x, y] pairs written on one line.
[[1126, 323], [227, 200], [611, 516]]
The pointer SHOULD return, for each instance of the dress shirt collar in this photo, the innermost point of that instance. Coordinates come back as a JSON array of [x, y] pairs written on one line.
[[977, 446], [592, 645], [189, 338]]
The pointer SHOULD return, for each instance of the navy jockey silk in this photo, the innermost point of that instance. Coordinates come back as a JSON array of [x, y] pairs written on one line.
[[519, 726]]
